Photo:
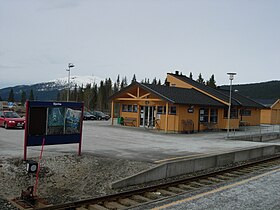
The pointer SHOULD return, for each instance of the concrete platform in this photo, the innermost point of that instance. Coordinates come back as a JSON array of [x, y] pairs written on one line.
[[195, 164]]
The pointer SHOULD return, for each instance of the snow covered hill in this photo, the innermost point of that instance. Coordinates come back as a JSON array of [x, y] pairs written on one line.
[[49, 90], [76, 80]]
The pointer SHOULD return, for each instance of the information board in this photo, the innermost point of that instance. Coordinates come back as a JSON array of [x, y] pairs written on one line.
[[56, 122]]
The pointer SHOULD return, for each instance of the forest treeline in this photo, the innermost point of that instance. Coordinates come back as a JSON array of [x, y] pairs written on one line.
[[96, 96]]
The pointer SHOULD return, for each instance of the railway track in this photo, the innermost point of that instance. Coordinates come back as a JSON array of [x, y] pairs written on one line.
[[131, 199]]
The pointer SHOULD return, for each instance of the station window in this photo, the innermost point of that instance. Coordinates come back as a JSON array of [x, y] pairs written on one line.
[[214, 115], [172, 110], [233, 113], [124, 108], [161, 109], [135, 108], [203, 115], [129, 108], [245, 112]]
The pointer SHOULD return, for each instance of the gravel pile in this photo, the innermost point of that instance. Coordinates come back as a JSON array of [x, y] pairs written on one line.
[[66, 178]]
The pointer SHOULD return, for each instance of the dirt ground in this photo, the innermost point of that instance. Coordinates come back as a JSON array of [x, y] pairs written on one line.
[[67, 177]]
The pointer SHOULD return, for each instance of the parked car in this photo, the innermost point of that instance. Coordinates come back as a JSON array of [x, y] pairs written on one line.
[[11, 119], [89, 116], [100, 115]]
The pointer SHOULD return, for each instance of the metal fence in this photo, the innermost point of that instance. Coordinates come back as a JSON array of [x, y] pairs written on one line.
[[249, 132]]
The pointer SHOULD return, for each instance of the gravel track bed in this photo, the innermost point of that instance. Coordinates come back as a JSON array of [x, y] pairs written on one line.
[[66, 178]]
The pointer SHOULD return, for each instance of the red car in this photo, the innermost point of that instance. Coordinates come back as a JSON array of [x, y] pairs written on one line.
[[10, 119]]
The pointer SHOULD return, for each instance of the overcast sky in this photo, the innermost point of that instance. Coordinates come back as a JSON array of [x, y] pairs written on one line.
[[149, 38]]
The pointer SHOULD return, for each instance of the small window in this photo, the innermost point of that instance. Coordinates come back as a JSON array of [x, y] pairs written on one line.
[[135, 108], [214, 115], [124, 108], [173, 110], [233, 113], [161, 110], [245, 112], [129, 108], [203, 115]]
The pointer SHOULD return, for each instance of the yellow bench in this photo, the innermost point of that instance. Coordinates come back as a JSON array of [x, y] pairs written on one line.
[[129, 121]]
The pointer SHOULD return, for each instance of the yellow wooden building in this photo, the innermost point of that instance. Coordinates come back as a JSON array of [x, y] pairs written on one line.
[[183, 105], [271, 113]]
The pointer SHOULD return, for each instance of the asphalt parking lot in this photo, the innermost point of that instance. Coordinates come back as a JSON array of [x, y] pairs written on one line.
[[100, 138]]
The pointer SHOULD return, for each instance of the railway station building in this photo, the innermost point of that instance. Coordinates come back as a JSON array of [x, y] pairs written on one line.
[[183, 105]]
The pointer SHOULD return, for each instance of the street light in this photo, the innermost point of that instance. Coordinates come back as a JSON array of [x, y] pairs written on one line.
[[70, 65], [231, 76]]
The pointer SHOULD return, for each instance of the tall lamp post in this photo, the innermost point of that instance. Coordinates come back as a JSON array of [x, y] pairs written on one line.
[[70, 65], [231, 76]]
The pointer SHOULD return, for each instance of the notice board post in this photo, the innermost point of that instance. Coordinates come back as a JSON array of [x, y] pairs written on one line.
[[57, 122]]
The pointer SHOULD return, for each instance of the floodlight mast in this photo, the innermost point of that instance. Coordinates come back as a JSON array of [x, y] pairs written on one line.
[[231, 77], [70, 65]]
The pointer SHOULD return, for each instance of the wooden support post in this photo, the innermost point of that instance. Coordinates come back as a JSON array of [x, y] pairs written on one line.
[[138, 92], [138, 115], [166, 118], [112, 112]]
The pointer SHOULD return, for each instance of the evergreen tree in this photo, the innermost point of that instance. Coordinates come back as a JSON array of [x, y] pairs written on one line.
[[31, 95], [58, 96], [154, 81], [94, 101], [211, 82], [123, 83], [75, 93], [115, 88], [101, 96], [1, 98], [87, 96], [133, 78], [80, 96], [11, 96], [191, 75], [159, 82], [200, 79], [118, 82], [108, 93], [23, 97]]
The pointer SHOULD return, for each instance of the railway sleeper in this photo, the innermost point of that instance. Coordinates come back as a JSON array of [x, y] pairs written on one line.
[[207, 182], [231, 174], [114, 205], [245, 170], [197, 184], [140, 198], [259, 167], [238, 173], [217, 180], [81, 208], [96, 207], [166, 192], [153, 195], [187, 187], [223, 177], [128, 202], [176, 189]]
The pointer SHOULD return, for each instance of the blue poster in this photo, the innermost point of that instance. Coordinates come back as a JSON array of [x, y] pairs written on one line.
[[72, 121], [56, 120]]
